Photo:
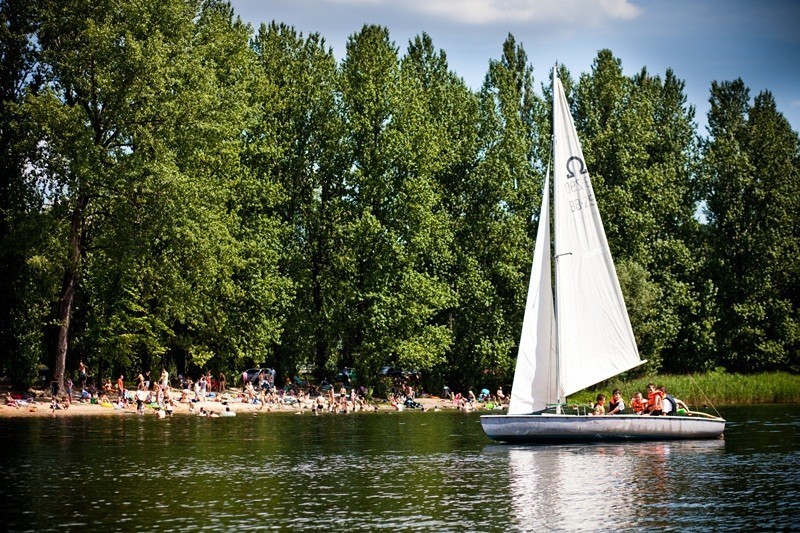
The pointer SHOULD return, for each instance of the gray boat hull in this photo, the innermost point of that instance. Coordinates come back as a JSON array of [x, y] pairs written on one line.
[[550, 428]]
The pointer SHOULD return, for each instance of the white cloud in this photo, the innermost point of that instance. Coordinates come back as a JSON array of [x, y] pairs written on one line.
[[486, 12]]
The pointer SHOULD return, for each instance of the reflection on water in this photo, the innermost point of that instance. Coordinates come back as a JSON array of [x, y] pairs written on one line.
[[409, 471], [586, 486]]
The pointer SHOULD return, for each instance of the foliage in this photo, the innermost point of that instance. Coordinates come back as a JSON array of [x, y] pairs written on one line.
[[28, 272], [493, 224], [749, 164], [178, 190]]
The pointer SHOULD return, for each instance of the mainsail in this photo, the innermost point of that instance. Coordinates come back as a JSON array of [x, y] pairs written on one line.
[[594, 339]]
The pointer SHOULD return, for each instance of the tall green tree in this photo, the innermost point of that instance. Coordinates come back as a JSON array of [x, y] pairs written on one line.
[[494, 232], [142, 120], [448, 137], [28, 274], [750, 163], [297, 145], [244, 311], [396, 222]]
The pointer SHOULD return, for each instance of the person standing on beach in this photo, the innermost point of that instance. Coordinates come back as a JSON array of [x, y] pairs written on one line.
[[164, 378], [121, 387], [83, 370], [203, 387]]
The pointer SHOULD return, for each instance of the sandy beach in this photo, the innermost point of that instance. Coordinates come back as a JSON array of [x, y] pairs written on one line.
[[41, 407]]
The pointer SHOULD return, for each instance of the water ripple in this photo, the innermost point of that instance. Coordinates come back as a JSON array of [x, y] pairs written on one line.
[[420, 472]]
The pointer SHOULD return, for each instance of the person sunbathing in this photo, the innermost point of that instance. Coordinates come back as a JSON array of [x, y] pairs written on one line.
[[10, 401]]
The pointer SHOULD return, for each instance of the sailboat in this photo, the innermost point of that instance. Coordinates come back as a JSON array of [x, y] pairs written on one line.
[[577, 332]]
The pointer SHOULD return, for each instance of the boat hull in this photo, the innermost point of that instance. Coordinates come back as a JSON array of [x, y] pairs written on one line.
[[549, 428]]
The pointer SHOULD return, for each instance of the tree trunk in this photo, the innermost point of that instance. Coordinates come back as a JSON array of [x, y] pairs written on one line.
[[68, 291]]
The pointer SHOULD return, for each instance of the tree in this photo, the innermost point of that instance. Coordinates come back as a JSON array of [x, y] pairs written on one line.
[[297, 146], [495, 228], [396, 222], [27, 235], [142, 123], [750, 161]]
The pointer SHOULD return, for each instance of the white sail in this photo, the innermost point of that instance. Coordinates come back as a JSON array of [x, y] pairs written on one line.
[[595, 339], [534, 378]]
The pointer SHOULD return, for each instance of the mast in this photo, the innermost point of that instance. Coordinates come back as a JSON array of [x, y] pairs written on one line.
[[555, 258]]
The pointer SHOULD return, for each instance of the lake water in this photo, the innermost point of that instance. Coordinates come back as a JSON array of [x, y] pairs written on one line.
[[389, 471]]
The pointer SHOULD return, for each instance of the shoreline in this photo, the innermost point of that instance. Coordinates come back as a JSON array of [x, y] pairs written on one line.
[[40, 408]]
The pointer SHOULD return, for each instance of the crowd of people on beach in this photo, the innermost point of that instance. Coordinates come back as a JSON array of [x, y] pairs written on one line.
[[204, 396], [209, 396], [468, 402]]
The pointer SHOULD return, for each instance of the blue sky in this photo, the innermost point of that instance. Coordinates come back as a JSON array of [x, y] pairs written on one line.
[[702, 40]]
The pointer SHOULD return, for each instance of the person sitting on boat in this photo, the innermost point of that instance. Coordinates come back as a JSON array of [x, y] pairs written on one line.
[[669, 406], [616, 406], [599, 407], [638, 403], [654, 401], [681, 407]]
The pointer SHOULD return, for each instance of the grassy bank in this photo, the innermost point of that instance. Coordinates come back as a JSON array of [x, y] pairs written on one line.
[[712, 388]]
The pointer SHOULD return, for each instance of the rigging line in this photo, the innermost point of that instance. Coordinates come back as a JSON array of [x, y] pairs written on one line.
[[704, 395]]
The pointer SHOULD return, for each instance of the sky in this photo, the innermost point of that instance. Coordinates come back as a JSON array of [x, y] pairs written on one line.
[[701, 40]]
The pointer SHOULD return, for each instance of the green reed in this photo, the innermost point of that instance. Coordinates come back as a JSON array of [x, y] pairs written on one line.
[[707, 389]]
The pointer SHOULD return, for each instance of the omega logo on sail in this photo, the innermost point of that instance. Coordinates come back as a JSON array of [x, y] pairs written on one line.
[[581, 166], [574, 185]]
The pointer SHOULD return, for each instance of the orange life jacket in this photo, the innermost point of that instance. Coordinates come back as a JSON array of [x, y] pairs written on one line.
[[638, 405], [654, 400]]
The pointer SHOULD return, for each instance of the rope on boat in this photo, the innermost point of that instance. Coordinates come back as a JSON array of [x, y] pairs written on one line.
[[708, 400], [701, 414]]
